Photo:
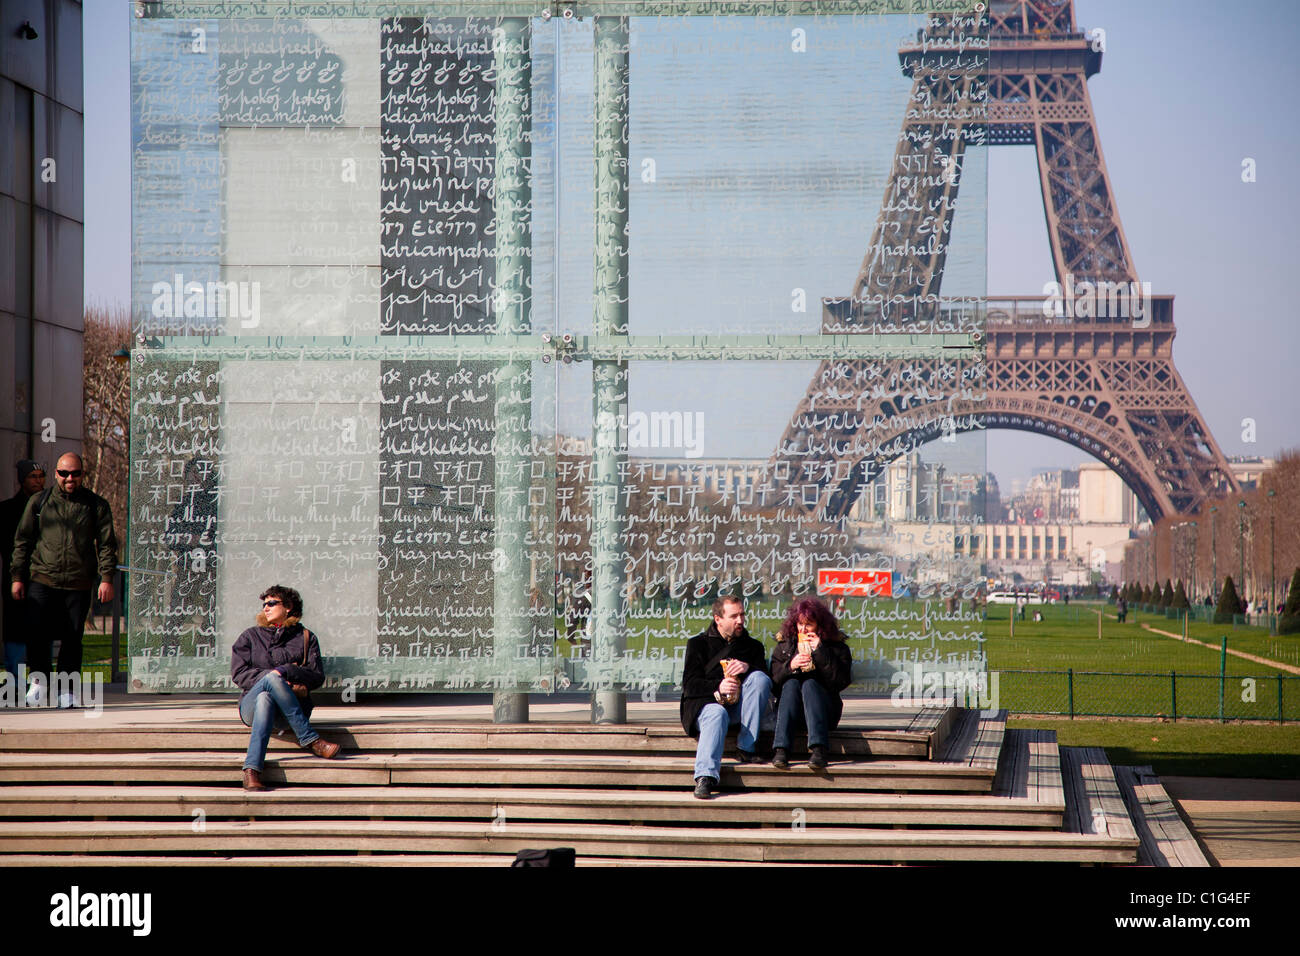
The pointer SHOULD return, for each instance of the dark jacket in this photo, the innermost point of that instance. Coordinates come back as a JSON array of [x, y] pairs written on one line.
[[832, 668], [11, 512], [69, 545], [263, 648], [702, 673], [15, 617]]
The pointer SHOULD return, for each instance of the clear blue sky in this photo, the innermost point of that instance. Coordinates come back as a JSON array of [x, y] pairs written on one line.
[[1188, 89]]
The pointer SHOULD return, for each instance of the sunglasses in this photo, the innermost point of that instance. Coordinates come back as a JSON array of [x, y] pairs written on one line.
[[271, 603], [70, 474]]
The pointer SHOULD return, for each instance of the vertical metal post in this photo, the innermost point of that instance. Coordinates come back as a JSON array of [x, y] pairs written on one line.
[[1223, 673], [1173, 695], [609, 378], [1241, 548], [1281, 714], [1214, 554], [512, 627], [1272, 566], [113, 672], [1069, 684]]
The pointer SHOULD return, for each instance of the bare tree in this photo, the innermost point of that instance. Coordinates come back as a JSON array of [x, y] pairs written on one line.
[[106, 420]]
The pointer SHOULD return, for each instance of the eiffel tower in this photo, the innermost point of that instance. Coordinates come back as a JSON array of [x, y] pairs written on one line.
[[1097, 373]]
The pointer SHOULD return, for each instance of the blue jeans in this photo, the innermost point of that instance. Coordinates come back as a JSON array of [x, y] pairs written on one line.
[[15, 654], [806, 703], [269, 703], [714, 720]]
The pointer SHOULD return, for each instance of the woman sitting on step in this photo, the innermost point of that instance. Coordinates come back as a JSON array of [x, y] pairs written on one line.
[[276, 665], [810, 666]]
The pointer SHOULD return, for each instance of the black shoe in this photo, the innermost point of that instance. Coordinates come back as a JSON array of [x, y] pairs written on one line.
[[704, 787], [779, 759], [744, 756], [817, 758]]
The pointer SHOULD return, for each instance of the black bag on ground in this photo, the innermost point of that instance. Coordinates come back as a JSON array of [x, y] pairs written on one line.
[[564, 857]]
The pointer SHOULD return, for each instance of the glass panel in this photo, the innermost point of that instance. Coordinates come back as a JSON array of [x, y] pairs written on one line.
[[343, 476], [352, 192], [845, 195]]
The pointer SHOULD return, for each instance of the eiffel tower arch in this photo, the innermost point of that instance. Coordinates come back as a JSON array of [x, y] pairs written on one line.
[[1094, 369]]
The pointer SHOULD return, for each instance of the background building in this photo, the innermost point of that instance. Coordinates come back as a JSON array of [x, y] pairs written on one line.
[[40, 232]]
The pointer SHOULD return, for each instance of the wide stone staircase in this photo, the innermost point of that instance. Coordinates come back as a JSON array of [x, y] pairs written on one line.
[[920, 785]]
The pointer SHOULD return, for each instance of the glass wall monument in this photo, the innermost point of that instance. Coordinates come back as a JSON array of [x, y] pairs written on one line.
[[513, 335]]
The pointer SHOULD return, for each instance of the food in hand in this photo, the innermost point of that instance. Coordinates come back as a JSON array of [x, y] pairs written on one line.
[[728, 698]]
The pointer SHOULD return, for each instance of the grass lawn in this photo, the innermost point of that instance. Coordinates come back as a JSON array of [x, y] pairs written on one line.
[[1253, 640], [1067, 639], [1186, 749]]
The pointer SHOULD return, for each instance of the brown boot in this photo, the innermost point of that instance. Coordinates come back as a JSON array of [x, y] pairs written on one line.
[[253, 780], [323, 748]]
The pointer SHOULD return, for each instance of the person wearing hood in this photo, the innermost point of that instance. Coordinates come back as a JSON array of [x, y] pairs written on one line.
[[724, 682], [277, 664]]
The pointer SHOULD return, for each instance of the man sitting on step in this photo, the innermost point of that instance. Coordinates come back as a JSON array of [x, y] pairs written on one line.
[[716, 695]]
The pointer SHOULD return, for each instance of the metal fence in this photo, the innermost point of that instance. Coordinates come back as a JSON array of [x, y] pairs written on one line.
[[1204, 614], [1081, 693]]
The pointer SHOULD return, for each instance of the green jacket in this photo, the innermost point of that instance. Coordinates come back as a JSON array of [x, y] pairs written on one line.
[[69, 545]]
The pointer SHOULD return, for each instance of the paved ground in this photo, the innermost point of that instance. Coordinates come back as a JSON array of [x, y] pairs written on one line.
[[1242, 822]]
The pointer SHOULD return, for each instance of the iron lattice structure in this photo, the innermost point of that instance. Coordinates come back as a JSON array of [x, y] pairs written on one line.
[[1104, 383]]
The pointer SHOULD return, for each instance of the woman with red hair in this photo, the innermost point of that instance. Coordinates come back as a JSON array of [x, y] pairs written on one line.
[[810, 666]]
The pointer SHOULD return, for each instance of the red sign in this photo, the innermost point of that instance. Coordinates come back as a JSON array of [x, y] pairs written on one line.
[[856, 582]]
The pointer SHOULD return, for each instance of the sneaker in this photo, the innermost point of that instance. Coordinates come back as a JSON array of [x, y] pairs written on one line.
[[68, 701], [745, 756], [780, 760], [817, 757], [704, 787]]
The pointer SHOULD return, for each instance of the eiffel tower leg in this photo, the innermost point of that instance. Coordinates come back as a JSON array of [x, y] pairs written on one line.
[[898, 282]]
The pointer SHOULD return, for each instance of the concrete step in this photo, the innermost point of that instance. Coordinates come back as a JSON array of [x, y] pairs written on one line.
[[1029, 768], [776, 845], [488, 804], [385, 860], [976, 738], [1093, 803], [478, 769], [917, 735], [1165, 839]]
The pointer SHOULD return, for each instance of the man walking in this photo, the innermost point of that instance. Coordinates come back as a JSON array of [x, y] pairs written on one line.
[[31, 481], [64, 545], [714, 697]]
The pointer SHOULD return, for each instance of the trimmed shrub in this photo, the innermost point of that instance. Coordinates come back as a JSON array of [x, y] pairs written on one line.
[[1229, 604], [1289, 622]]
